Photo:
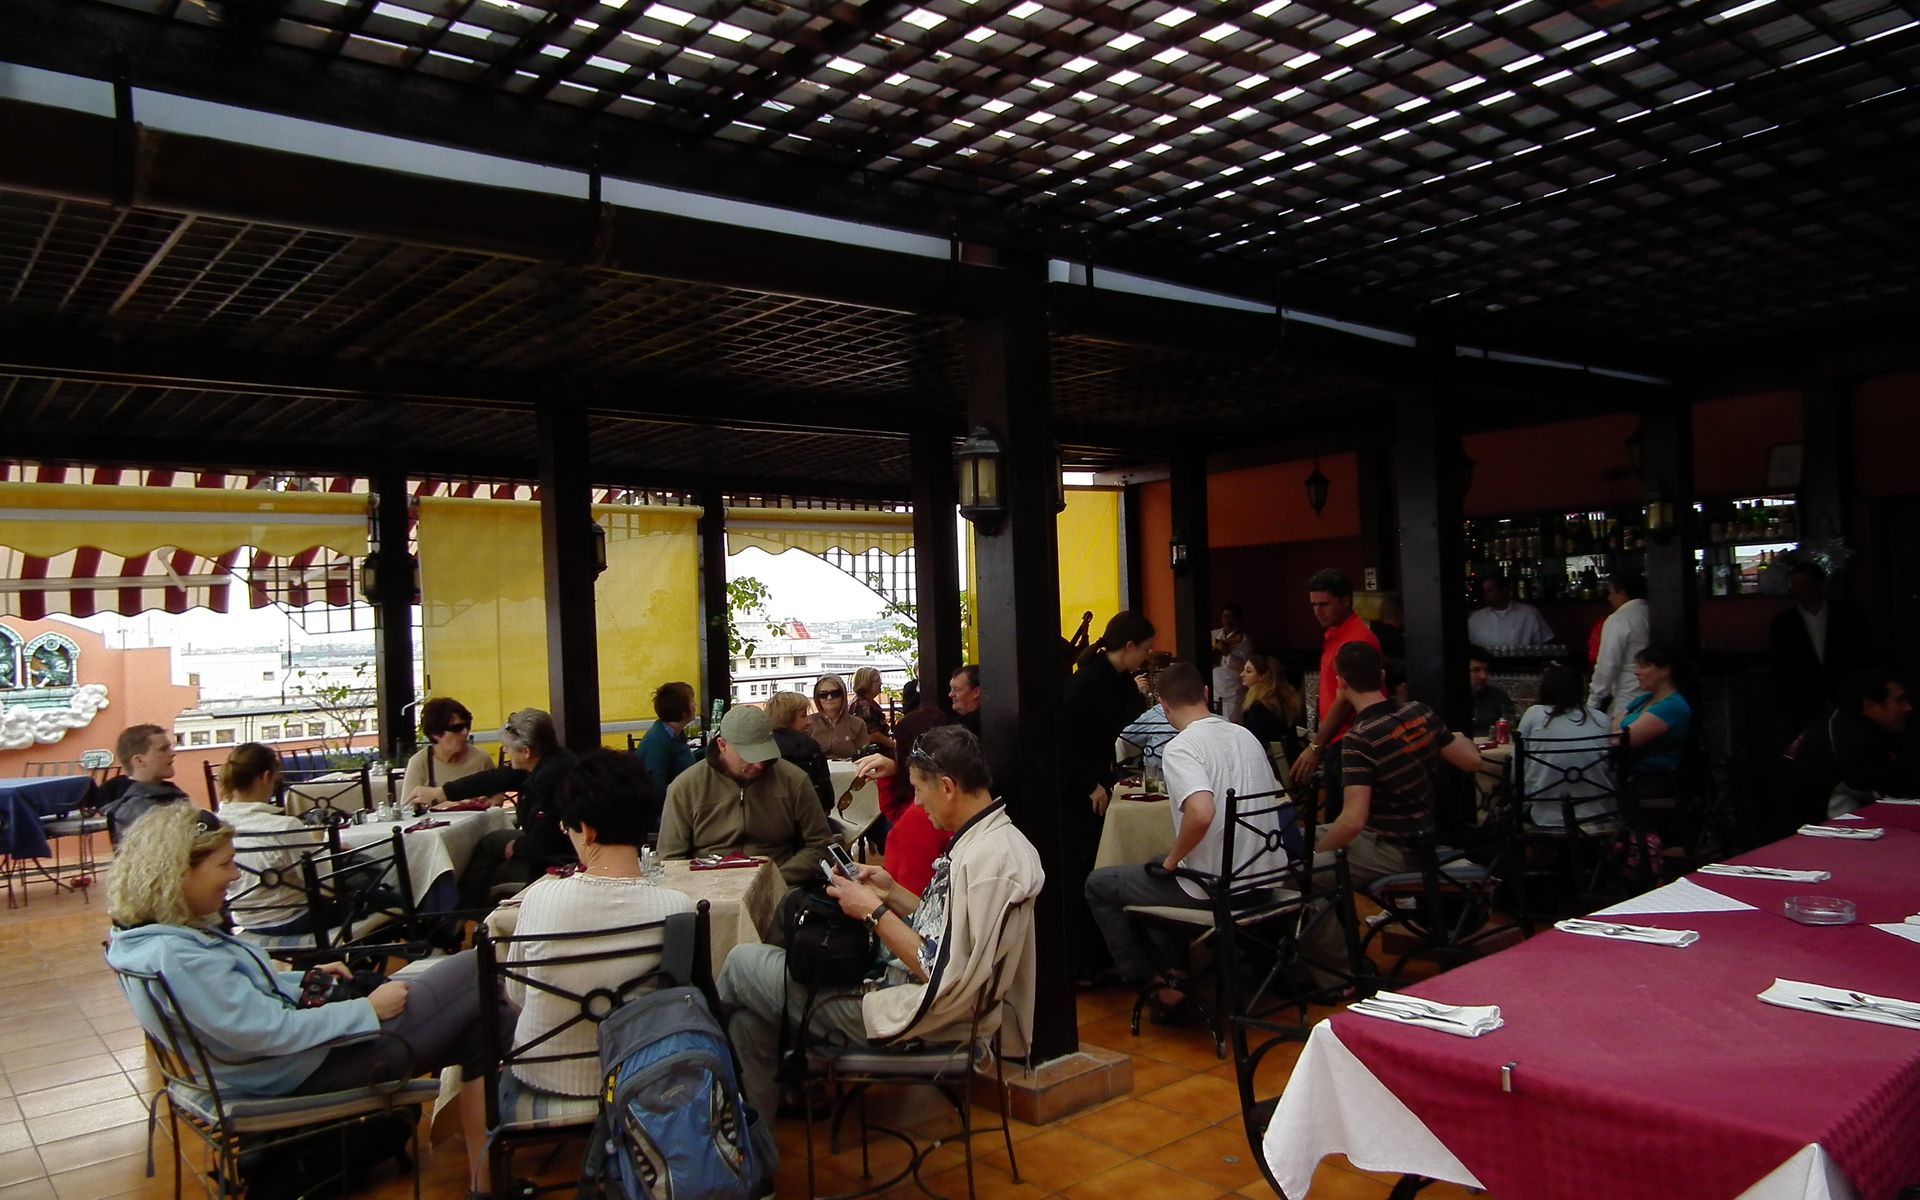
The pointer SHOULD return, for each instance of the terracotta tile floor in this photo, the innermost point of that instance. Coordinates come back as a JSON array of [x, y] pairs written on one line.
[[74, 1076]]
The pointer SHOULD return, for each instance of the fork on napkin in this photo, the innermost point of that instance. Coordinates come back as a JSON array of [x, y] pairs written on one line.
[[1899, 800], [1836, 831], [1783, 874], [1838, 1002], [1461, 1020], [1628, 933]]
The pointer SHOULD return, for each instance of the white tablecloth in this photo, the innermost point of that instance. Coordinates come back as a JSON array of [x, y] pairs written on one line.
[[1135, 832], [1334, 1105], [741, 903], [432, 853], [339, 789]]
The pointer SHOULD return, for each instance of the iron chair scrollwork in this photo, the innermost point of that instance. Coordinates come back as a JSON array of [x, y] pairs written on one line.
[[681, 941]]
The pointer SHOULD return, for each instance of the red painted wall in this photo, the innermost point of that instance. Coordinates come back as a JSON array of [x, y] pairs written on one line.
[[1572, 465], [1259, 506], [1270, 584], [1886, 436], [1156, 572], [1733, 436]]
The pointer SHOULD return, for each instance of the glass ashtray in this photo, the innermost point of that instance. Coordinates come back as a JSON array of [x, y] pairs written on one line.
[[1819, 910]]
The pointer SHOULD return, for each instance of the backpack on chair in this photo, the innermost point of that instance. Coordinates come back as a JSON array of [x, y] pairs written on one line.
[[672, 1121]]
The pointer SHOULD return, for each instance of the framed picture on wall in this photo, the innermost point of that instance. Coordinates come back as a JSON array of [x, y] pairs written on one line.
[[1783, 465]]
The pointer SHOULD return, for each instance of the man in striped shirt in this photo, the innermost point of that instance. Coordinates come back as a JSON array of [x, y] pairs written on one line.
[[1387, 764]]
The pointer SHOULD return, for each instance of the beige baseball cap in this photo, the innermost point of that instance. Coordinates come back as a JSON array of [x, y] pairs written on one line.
[[749, 733]]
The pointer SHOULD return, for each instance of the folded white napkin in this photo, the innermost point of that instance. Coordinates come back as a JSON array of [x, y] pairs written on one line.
[[1628, 933], [1835, 831], [1914, 800], [1783, 874], [1839, 1002], [1457, 1019], [1908, 929]]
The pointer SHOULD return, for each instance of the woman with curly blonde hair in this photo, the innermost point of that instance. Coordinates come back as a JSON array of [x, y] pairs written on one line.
[[170, 879]]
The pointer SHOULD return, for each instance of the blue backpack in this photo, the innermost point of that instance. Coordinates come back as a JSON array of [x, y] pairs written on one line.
[[673, 1124]]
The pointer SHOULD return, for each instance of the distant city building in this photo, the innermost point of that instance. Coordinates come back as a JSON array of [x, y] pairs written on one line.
[[795, 662]]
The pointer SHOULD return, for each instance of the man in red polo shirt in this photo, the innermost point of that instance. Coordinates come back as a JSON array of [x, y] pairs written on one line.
[[1331, 596]]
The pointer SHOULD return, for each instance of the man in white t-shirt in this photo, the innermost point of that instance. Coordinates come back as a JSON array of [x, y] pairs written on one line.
[[1207, 758], [1504, 621], [1233, 646]]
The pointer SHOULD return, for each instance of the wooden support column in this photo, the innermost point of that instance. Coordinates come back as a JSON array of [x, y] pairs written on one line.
[[1432, 551], [1379, 548], [716, 655], [1017, 612], [1133, 590], [1192, 634], [1826, 475], [566, 544], [393, 614], [1666, 466], [936, 560]]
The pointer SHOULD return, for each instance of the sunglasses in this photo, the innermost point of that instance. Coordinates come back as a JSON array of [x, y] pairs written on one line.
[[828, 695], [925, 761], [458, 728]]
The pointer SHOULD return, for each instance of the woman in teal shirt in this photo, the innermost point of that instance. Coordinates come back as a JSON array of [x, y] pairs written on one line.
[[1656, 724], [663, 751]]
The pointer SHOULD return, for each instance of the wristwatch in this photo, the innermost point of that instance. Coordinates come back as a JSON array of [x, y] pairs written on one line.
[[873, 918]]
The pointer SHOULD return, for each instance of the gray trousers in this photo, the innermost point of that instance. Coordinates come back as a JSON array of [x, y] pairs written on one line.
[[1110, 890], [440, 1027], [754, 994]]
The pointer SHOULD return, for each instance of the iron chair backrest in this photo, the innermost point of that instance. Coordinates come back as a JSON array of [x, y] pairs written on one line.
[[1269, 871], [681, 941], [1578, 772], [271, 859], [346, 888]]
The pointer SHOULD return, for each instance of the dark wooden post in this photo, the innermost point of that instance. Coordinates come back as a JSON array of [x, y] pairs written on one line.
[[1017, 612], [1432, 550], [1379, 549], [1192, 634], [1826, 475], [1133, 592], [716, 653], [1666, 465], [936, 562], [393, 614], [566, 543]]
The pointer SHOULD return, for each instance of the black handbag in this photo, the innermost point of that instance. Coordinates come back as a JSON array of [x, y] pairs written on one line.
[[825, 947]]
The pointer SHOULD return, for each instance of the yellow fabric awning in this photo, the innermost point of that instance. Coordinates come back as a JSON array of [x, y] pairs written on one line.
[[483, 605], [817, 530], [49, 519]]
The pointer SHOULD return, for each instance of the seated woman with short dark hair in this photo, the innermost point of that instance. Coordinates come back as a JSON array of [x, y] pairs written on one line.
[[600, 805]]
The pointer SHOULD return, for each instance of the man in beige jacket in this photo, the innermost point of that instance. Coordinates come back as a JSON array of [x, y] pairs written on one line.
[[939, 950]]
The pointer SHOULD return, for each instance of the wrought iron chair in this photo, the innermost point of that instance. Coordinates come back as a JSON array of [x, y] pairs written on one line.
[[272, 889], [847, 1072], [1194, 928], [1567, 807], [682, 942], [355, 895], [82, 825], [231, 1125]]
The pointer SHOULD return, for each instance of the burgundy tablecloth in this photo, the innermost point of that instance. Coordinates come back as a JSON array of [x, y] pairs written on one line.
[[1647, 1071]]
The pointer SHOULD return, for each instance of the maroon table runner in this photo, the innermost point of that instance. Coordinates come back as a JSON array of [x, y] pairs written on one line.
[[1648, 1071]]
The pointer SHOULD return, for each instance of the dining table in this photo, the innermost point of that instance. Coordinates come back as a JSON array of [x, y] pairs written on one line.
[[24, 802], [438, 846], [1138, 829], [1630, 1069]]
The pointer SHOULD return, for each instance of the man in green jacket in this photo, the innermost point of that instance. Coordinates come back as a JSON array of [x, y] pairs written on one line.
[[745, 798]]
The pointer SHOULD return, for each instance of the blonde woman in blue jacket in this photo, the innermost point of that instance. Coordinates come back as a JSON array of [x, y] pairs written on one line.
[[169, 881]]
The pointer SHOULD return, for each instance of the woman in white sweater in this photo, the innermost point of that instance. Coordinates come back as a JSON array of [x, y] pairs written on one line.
[[601, 804], [1568, 749]]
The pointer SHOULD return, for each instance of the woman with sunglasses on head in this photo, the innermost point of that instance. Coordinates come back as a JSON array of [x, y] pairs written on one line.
[[448, 754], [839, 732]]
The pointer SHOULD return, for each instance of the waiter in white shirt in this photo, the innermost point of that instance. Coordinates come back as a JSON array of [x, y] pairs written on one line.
[[1505, 621], [1232, 645], [1624, 635]]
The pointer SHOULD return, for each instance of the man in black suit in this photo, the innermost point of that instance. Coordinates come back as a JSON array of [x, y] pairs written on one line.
[[1814, 645]]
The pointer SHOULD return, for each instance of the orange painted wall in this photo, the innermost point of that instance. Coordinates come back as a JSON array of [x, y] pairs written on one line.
[[1886, 433], [1156, 572], [1261, 506], [1567, 465], [140, 690], [1733, 435]]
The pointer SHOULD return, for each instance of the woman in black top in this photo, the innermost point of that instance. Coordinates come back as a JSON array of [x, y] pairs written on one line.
[[1098, 702], [536, 763], [1272, 709]]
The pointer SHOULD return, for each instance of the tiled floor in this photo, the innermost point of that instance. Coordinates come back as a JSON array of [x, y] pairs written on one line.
[[74, 1075]]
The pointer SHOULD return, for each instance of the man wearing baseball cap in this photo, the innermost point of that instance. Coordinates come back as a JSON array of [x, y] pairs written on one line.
[[746, 799]]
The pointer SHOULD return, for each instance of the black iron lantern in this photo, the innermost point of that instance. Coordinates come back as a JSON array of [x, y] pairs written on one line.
[[1660, 518], [370, 577], [599, 549], [982, 498], [1316, 489], [1177, 554]]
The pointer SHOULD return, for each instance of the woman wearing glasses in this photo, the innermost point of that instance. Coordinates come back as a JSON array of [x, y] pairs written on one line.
[[448, 754], [839, 732]]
